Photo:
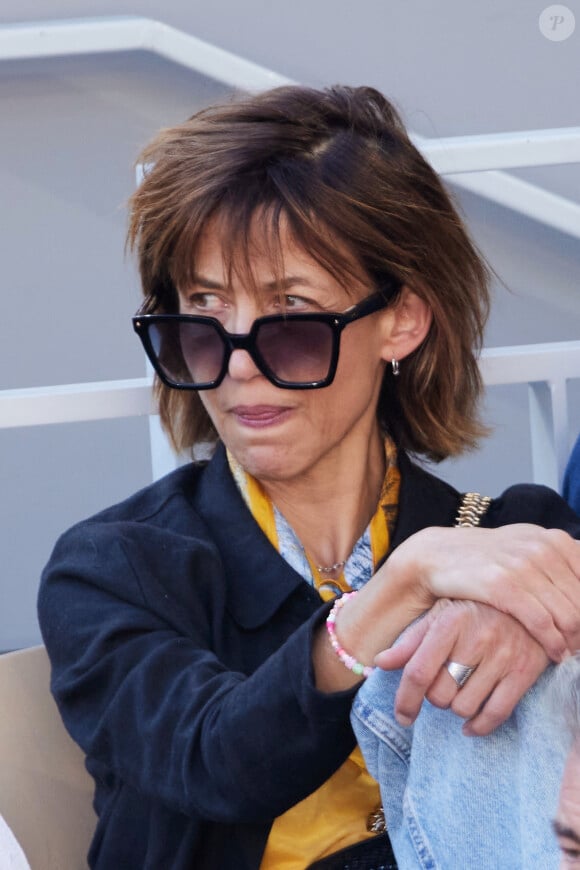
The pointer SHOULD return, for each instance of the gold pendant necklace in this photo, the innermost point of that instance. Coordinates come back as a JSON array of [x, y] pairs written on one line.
[[328, 569]]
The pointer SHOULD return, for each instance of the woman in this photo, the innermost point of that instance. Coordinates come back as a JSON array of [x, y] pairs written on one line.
[[313, 303]]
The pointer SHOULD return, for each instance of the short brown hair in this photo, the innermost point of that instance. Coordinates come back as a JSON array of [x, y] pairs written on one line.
[[336, 164]]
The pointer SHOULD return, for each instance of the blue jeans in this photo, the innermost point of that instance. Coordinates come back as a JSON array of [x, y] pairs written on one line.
[[456, 803]]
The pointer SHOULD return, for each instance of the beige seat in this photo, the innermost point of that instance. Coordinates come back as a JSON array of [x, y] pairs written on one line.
[[45, 791]]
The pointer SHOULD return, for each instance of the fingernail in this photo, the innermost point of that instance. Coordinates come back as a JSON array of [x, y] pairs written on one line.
[[402, 719]]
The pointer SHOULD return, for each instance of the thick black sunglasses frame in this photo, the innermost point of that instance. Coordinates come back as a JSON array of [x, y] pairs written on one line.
[[231, 341]]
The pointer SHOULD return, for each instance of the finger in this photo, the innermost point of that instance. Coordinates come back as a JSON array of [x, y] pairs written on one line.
[[537, 581], [521, 672], [498, 707], [443, 689], [469, 701], [554, 556], [466, 700], [533, 606], [492, 657], [569, 550], [485, 700], [398, 655], [564, 571], [422, 669]]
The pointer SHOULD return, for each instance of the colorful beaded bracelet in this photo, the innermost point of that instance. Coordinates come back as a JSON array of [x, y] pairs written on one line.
[[348, 661]]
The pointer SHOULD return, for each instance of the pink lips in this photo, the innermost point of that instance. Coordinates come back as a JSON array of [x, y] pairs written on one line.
[[260, 416]]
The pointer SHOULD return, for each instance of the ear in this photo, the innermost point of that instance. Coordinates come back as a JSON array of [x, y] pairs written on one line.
[[406, 325]]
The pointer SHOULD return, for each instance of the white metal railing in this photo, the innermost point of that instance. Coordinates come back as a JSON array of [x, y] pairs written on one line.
[[545, 368], [74, 403], [473, 162]]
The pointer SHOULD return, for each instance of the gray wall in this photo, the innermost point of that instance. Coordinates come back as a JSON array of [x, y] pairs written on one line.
[[70, 131]]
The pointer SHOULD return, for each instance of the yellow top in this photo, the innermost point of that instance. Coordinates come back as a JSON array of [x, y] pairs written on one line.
[[335, 815]]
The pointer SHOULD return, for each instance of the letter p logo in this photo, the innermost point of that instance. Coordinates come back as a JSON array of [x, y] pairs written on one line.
[[557, 23]]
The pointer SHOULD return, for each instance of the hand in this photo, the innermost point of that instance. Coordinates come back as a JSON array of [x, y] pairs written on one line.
[[506, 658], [523, 570]]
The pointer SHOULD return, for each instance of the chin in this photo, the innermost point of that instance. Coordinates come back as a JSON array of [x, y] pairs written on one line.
[[266, 463]]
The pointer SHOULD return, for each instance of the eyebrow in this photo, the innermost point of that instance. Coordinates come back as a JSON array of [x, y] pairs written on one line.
[[283, 284], [207, 282], [290, 281], [564, 831]]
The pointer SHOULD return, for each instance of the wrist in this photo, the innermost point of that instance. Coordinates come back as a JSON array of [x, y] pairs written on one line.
[[349, 661], [367, 625], [373, 621], [408, 574]]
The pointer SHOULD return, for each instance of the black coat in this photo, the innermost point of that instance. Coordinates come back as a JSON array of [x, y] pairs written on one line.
[[180, 643]]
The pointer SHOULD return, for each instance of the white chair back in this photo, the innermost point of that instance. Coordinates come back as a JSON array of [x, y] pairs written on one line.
[[45, 790]]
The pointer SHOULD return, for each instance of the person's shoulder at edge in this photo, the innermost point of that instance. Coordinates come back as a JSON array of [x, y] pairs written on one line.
[[161, 511], [151, 500], [138, 537], [571, 483], [169, 515]]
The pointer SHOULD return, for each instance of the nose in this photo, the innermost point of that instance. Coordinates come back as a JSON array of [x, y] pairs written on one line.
[[241, 366]]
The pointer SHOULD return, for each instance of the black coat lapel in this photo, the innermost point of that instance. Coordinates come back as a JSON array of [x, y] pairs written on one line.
[[259, 579]]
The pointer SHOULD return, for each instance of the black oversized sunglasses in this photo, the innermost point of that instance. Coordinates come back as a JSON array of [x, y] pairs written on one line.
[[294, 351]]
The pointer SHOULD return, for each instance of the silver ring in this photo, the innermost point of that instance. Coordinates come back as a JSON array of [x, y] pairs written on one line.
[[460, 673]]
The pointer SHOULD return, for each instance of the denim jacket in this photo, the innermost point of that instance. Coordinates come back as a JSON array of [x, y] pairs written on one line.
[[453, 802]]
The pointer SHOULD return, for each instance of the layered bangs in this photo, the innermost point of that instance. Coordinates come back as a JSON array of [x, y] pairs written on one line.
[[263, 215]]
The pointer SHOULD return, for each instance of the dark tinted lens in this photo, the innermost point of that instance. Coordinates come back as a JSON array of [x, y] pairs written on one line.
[[297, 351], [189, 353]]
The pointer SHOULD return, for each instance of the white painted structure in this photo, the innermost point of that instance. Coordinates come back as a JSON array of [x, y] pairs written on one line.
[[462, 158], [546, 368]]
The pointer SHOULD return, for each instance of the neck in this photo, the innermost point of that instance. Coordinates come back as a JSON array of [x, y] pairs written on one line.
[[330, 508]]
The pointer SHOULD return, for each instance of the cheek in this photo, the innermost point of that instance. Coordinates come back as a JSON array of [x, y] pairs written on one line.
[[360, 371], [334, 410]]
